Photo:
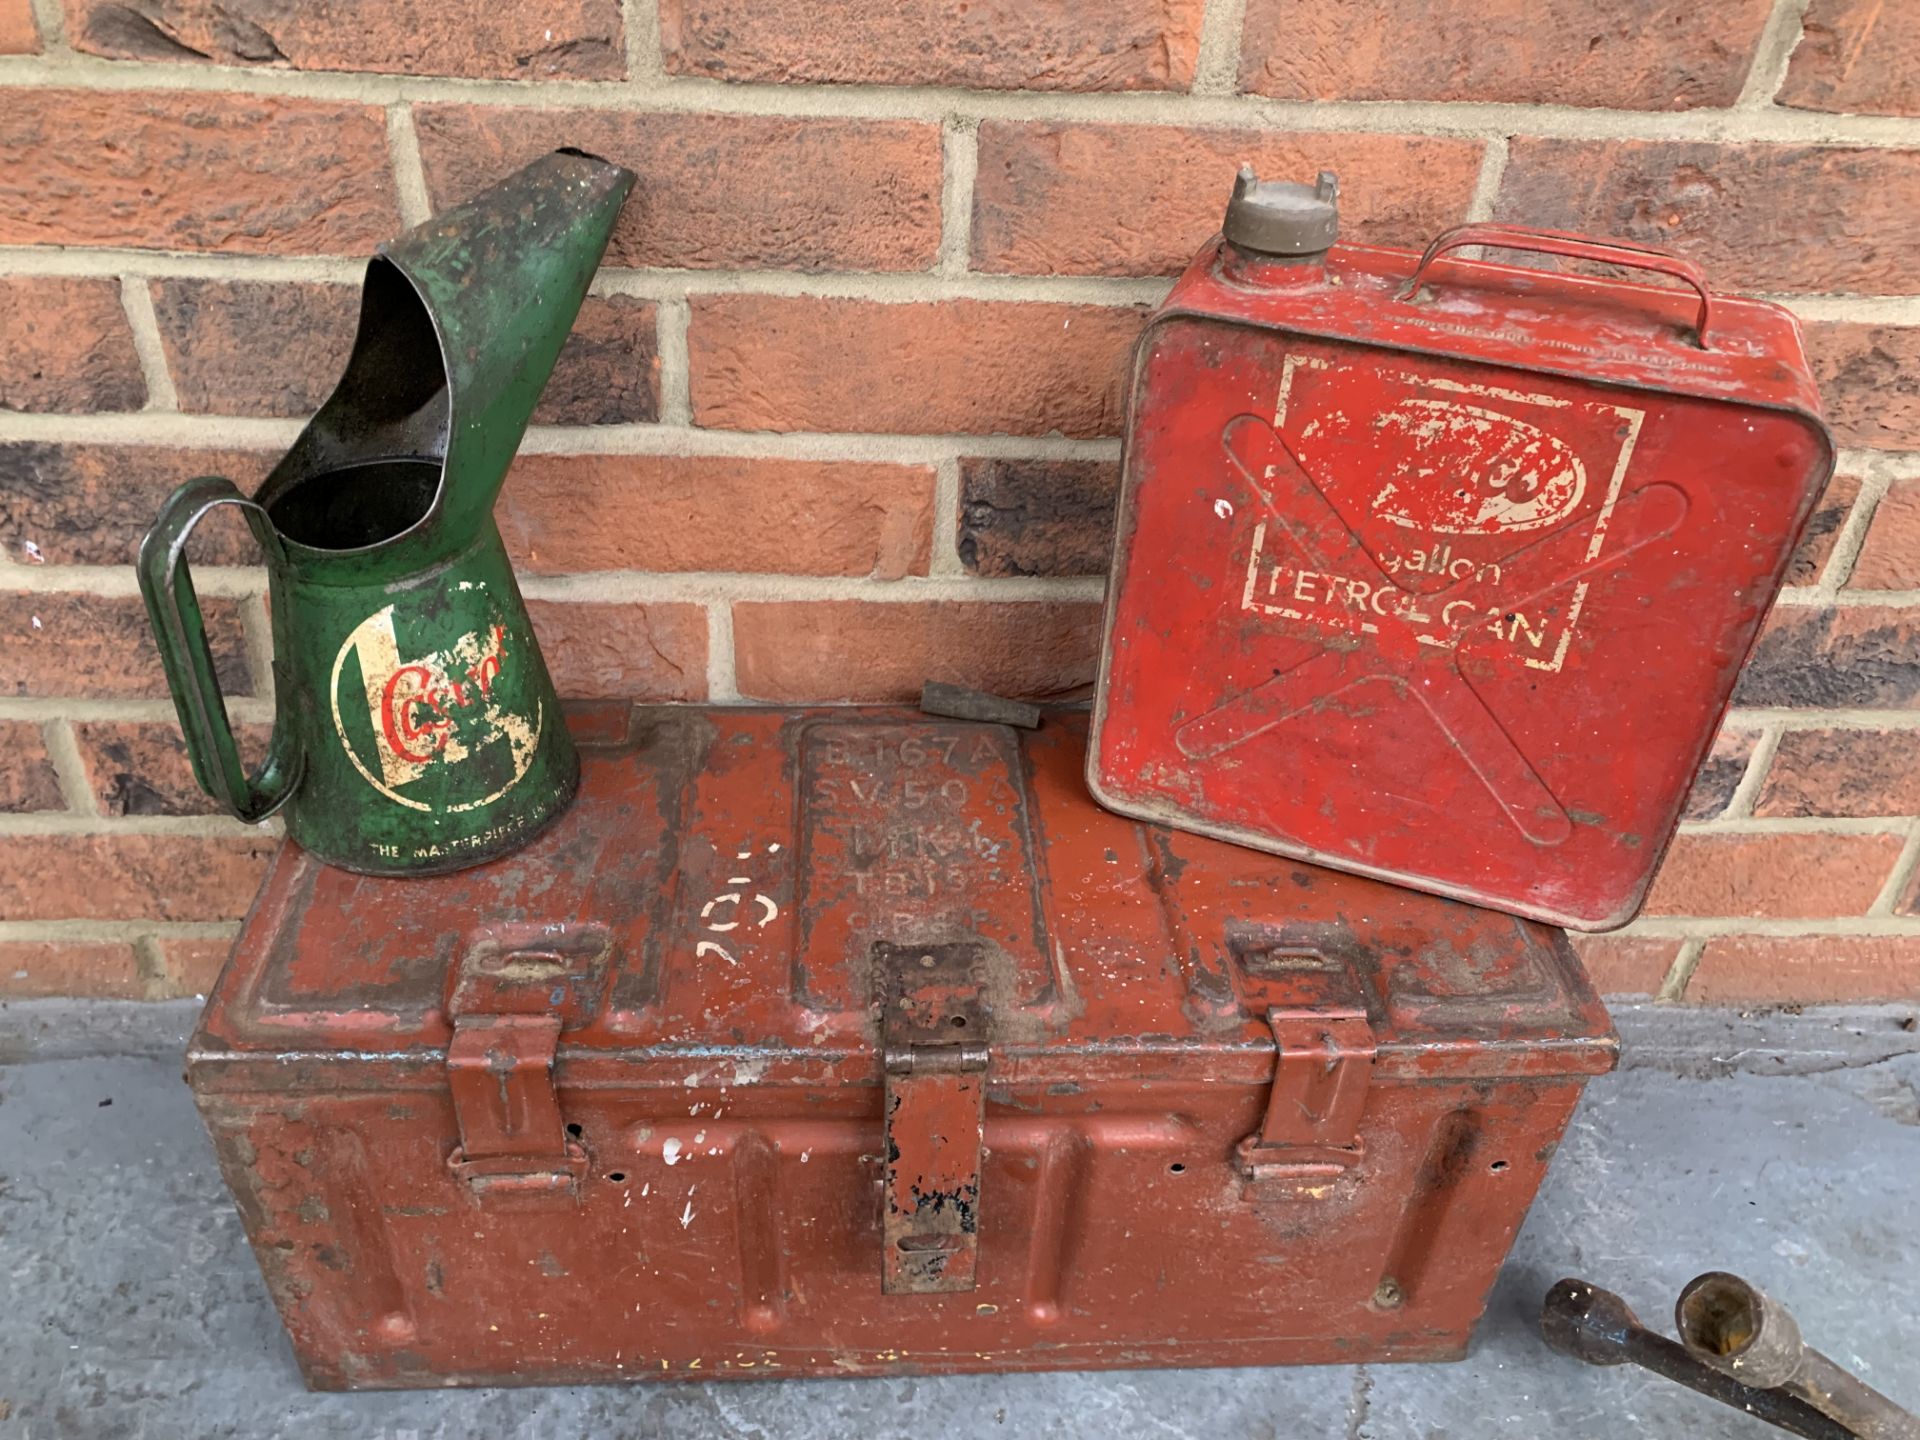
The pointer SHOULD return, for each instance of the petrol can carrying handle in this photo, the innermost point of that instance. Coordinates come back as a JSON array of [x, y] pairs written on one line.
[[1574, 247], [166, 584]]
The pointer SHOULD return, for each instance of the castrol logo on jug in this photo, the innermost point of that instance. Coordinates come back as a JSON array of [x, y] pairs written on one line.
[[1432, 508], [400, 719]]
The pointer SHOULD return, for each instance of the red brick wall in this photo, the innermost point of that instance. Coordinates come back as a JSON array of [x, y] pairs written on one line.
[[842, 411]]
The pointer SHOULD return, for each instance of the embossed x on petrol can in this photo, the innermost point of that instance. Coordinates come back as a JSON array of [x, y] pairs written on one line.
[[1443, 571]]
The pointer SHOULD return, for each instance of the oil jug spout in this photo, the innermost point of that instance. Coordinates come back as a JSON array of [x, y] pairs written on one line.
[[502, 278], [461, 321]]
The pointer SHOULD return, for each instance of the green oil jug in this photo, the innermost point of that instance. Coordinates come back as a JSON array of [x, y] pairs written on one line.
[[416, 728]]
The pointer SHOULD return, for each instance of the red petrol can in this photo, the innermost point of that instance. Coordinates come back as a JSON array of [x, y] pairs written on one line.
[[1443, 571], [859, 1043]]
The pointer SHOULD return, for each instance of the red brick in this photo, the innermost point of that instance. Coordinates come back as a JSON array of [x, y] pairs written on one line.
[[1869, 382], [1856, 56], [1890, 559], [1843, 772], [609, 651], [832, 650], [1757, 216], [250, 347], [1642, 55], [558, 39], [609, 369], [562, 513], [140, 767], [1852, 656], [1720, 775], [68, 345], [1806, 969], [985, 45], [1625, 964], [181, 170], [27, 780], [18, 34], [190, 966], [765, 362], [100, 646], [65, 504], [1036, 517], [93, 969], [131, 877], [763, 191], [1793, 876], [1823, 528], [1057, 198]]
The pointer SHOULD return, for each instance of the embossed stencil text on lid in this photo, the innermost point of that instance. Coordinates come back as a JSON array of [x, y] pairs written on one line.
[[913, 833]]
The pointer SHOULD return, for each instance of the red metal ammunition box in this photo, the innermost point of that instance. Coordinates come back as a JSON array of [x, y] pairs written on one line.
[[1443, 572], [854, 1042]]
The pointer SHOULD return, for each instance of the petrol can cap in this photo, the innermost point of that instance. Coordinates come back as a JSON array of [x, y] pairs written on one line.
[[1281, 217]]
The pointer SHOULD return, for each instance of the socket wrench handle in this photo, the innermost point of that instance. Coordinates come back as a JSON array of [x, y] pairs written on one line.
[[1739, 1329], [1597, 1327]]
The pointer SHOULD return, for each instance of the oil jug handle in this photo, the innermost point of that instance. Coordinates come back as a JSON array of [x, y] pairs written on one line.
[[166, 584], [1576, 247]]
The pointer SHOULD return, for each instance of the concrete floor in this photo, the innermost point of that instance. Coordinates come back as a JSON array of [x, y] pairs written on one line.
[[1786, 1148]]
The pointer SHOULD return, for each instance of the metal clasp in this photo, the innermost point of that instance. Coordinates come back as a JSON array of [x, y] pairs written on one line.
[[1322, 1067], [513, 1143], [934, 1046], [511, 994]]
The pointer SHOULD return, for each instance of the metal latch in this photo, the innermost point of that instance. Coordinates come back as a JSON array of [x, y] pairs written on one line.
[[513, 1143], [1323, 1064], [933, 1037], [513, 992]]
